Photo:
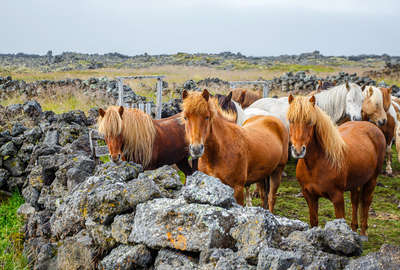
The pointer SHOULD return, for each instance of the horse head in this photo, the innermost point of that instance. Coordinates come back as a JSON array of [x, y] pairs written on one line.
[[110, 125], [354, 102], [197, 114], [301, 127], [372, 107]]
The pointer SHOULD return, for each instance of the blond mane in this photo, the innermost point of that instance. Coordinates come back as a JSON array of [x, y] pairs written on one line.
[[196, 104], [111, 124], [138, 134], [301, 110]]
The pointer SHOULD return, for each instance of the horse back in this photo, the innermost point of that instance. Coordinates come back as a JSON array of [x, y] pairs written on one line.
[[170, 144], [267, 133], [366, 146]]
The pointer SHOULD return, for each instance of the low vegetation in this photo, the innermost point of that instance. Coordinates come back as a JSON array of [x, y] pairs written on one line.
[[11, 236]]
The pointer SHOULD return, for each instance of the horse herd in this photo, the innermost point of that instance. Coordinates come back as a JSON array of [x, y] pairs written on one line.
[[243, 139]]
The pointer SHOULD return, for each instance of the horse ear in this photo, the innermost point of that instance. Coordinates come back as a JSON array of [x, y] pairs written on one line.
[[290, 98], [347, 86], [229, 97], [363, 87], [370, 91], [121, 111], [242, 97], [206, 94], [185, 94], [312, 100], [102, 112]]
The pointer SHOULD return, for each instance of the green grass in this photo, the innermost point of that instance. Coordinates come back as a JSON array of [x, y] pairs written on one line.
[[384, 218], [11, 237], [295, 68]]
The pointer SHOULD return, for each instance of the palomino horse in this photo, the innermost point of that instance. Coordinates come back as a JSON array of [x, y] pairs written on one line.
[[340, 103], [133, 135], [334, 160], [245, 97], [239, 156], [377, 108]]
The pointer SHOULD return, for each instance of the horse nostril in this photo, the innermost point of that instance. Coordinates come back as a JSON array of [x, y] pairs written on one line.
[[303, 148], [201, 147]]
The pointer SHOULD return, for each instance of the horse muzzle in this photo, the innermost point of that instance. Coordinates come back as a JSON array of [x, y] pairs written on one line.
[[115, 158], [196, 150], [297, 154]]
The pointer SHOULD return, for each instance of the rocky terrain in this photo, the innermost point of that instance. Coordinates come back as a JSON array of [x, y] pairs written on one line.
[[225, 60], [80, 214]]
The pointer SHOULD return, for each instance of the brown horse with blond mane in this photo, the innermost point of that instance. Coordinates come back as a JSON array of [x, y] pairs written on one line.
[[133, 135], [334, 160], [239, 156]]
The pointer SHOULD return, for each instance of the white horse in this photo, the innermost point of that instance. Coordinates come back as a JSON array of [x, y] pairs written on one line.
[[339, 102]]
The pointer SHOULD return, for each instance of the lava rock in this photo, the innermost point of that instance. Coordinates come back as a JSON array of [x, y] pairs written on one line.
[[8, 149], [168, 259], [175, 224], [124, 171], [204, 189], [51, 138], [17, 129], [32, 108], [287, 226], [387, 258], [121, 227], [126, 257]]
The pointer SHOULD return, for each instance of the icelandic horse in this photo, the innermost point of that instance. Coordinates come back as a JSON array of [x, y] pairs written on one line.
[[133, 135], [333, 159], [239, 156]]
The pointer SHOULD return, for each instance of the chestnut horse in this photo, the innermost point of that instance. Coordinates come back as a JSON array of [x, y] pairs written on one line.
[[133, 135], [334, 160], [239, 156], [378, 108], [245, 97]]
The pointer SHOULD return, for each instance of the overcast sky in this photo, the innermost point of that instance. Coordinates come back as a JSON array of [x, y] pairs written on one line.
[[252, 27]]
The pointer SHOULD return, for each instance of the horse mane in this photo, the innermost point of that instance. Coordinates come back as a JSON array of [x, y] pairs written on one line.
[[138, 134], [111, 123], [376, 97], [302, 110], [196, 104], [333, 101]]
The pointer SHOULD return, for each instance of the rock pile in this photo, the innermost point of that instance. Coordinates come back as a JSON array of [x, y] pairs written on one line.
[[82, 215]]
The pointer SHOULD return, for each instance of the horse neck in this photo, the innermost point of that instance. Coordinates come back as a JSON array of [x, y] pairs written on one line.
[[315, 152], [329, 105], [213, 143]]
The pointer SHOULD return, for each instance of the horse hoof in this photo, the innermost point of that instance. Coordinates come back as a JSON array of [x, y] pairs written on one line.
[[364, 238]]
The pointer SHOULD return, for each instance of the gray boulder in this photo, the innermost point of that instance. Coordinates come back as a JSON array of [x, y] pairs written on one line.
[[166, 178], [17, 129], [51, 138], [175, 224], [26, 211], [3, 177], [204, 189], [387, 258], [253, 226], [15, 166], [33, 135], [8, 149], [82, 168], [32, 108], [168, 259], [124, 171], [286, 226], [77, 252], [276, 259], [126, 257], [121, 227], [100, 198], [223, 259]]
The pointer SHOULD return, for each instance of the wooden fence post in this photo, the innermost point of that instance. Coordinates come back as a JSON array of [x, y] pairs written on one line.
[[120, 92], [159, 98]]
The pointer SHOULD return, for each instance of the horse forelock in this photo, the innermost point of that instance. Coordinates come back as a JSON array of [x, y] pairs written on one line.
[[111, 124], [301, 110], [195, 104], [376, 97], [138, 134]]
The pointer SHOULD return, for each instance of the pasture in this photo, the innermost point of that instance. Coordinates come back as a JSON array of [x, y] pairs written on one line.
[[384, 215]]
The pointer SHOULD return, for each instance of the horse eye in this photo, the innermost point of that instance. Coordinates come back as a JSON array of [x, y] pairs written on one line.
[[207, 118], [185, 118]]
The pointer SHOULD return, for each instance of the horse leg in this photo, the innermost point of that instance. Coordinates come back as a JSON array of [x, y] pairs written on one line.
[[389, 170], [366, 199], [355, 200], [248, 197], [338, 203], [262, 191], [238, 194], [312, 202], [274, 183]]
